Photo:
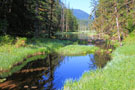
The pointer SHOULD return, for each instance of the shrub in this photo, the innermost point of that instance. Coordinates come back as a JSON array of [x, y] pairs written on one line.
[[20, 42], [6, 39]]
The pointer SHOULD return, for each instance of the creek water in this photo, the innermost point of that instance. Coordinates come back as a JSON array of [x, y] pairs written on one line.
[[52, 72]]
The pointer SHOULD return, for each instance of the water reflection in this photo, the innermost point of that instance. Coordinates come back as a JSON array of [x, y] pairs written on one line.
[[51, 73], [73, 36], [72, 67], [82, 38]]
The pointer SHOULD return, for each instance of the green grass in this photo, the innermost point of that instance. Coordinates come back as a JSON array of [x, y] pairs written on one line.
[[15, 51], [19, 67], [119, 74], [11, 54], [79, 32], [74, 50]]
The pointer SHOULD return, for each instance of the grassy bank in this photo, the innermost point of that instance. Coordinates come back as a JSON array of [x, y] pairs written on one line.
[[16, 53], [117, 75], [75, 50], [79, 32]]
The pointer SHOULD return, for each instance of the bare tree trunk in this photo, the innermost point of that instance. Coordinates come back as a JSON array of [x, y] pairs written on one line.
[[118, 28]]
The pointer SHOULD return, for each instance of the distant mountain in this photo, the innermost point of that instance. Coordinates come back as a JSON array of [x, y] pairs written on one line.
[[81, 15]]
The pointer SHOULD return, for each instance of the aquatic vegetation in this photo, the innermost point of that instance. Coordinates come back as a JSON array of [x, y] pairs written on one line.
[[72, 50], [117, 75]]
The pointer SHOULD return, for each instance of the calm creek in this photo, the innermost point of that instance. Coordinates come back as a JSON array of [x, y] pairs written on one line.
[[52, 72]]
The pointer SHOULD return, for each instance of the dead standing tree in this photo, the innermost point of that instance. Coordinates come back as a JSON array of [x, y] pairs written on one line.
[[117, 23], [117, 15]]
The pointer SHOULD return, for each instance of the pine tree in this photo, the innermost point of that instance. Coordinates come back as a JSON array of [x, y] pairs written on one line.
[[115, 18]]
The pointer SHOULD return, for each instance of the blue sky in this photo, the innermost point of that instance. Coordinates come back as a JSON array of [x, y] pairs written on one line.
[[79, 4]]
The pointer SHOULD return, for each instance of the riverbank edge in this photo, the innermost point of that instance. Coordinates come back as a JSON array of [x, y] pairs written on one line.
[[40, 51], [19, 65], [34, 50], [117, 75]]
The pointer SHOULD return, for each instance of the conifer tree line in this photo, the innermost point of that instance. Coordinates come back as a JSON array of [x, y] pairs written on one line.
[[115, 18], [34, 17]]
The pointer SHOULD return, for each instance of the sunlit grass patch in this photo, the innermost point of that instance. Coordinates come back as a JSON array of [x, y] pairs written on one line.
[[79, 32], [19, 67], [72, 50], [14, 55]]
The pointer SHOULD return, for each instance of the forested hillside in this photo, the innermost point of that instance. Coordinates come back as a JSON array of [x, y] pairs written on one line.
[[82, 18], [81, 15], [35, 17]]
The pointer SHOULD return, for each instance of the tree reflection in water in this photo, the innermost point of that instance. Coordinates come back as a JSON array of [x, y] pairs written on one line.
[[37, 75], [101, 59], [50, 73]]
